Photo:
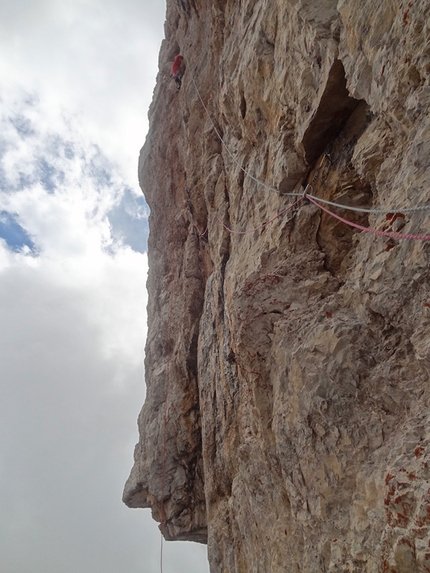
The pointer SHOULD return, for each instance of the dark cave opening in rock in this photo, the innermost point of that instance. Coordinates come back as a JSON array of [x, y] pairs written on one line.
[[335, 107]]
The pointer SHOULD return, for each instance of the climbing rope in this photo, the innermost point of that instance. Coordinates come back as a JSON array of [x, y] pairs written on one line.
[[309, 195], [374, 211], [368, 229], [261, 183]]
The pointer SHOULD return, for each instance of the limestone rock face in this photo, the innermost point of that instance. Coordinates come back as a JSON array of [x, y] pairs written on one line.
[[287, 418]]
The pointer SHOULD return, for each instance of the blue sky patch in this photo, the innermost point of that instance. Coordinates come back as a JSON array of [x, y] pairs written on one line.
[[15, 236], [22, 125], [129, 221], [99, 168], [69, 152], [48, 175]]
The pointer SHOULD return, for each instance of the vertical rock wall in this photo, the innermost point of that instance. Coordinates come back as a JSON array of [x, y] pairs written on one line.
[[287, 420]]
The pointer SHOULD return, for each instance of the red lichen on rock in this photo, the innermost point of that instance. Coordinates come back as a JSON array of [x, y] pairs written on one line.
[[419, 450]]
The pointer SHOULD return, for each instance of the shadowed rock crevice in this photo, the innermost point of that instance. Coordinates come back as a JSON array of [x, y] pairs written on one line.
[[334, 108], [339, 182]]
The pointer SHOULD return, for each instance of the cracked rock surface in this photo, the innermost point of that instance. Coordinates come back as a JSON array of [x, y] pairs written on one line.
[[286, 421]]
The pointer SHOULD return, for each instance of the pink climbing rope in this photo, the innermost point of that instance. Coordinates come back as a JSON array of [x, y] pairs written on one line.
[[264, 225], [370, 230]]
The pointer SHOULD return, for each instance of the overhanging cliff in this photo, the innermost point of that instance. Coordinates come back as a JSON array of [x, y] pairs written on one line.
[[287, 420]]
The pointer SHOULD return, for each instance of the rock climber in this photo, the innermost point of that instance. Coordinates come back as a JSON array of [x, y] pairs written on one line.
[[178, 70]]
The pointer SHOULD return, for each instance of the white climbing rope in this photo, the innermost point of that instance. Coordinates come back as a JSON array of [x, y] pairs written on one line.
[[325, 201], [269, 187], [375, 211]]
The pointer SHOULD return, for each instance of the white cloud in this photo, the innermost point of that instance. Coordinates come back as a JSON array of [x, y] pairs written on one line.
[[77, 78], [71, 384], [98, 58]]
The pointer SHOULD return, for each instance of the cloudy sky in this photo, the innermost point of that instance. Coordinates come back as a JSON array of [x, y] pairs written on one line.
[[76, 80]]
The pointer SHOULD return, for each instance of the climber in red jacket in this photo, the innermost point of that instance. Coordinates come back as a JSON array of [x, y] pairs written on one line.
[[178, 70]]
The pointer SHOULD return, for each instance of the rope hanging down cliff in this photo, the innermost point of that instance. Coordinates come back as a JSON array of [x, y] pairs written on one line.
[[317, 200]]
